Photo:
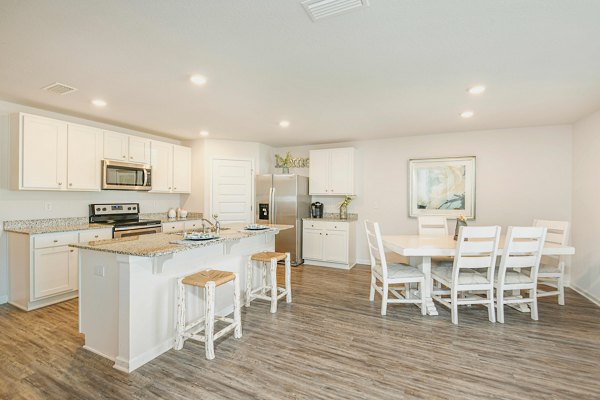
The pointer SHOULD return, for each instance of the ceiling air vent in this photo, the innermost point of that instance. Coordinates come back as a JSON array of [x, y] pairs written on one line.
[[319, 9], [59, 88]]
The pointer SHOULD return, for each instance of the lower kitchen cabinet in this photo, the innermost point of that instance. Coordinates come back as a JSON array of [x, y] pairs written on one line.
[[43, 268], [329, 243]]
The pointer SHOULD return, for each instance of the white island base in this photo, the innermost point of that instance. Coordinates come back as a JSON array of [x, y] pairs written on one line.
[[128, 304]]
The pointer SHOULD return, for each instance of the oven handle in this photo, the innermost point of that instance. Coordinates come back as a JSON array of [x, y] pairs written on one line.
[[135, 232]]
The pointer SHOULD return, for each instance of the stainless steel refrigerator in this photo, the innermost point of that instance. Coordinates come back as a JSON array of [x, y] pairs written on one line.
[[284, 199]]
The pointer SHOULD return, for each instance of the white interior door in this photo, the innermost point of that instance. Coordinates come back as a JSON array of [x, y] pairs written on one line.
[[232, 182]]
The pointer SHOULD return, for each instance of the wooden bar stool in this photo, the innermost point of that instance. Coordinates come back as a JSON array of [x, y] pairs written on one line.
[[208, 280], [267, 260]]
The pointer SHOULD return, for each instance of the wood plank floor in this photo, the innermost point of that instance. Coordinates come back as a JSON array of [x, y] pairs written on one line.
[[331, 343]]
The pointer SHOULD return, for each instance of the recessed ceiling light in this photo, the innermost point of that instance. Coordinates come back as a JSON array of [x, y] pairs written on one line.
[[476, 89], [99, 103], [467, 114], [204, 133], [284, 124], [198, 80]]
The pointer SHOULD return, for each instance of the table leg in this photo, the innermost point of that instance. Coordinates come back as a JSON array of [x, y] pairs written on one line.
[[428, 287]]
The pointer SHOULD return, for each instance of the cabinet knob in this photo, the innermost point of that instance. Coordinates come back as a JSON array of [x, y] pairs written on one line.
[[169, 187], [96, 236], [59, 183], [131, 157], [174, 188], [70, 184], [71, 251], [55, 241], [124, 156]]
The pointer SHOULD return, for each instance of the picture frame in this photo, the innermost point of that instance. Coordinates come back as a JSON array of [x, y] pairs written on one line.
[[442, 186]]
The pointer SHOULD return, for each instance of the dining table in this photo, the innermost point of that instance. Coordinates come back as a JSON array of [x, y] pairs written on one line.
[[421, 248]]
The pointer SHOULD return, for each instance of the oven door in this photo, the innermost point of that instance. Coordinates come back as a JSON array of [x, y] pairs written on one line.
[[132, 231], [125, 176]]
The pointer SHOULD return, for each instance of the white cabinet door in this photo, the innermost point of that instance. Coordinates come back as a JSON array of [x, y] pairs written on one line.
[[173, 226], [44, 157], [312, 244], [55, 271], [116, 146], [162, 166], [341, 175], [182, 169], [84, 150], [335, 246], [319, 172], [139, 150]]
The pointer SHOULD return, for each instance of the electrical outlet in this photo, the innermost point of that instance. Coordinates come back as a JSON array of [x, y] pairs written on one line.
[[47, 206], [99, 270]]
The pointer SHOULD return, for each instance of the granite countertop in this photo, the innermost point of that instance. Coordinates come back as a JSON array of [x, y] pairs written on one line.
[[333, 217], [161, 244], [56, 225]]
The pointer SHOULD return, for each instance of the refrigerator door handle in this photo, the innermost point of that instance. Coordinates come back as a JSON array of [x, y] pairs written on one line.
[[273, 210]]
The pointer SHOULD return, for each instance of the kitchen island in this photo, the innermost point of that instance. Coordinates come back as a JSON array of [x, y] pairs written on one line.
[[127, 288]]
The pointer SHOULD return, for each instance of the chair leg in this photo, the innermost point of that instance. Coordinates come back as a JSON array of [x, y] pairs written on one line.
[[180, 315], [249, 278], [384, 298], [454, 304], [273, 285], [372, 291], [500, 305], [491, 308], [407, 287], [237, 315], [288, 278], [209, 329], [263, 289], [534, 305], [561, 290], [423, 306]]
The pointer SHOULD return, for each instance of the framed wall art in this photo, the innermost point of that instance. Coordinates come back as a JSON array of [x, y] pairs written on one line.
[[442, 186]]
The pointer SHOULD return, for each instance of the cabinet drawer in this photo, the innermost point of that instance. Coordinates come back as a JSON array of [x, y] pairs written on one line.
[[55, 239], [193, 225], [95, 234], [329, 225], [173, 226]]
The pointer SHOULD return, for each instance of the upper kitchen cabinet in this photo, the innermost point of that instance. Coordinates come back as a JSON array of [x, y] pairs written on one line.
[[54, 155], [84, 152], [122, 147], [171, 168], [332, 171]]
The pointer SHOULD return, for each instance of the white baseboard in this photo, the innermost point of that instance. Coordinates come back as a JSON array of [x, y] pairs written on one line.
[[585, 294], [4, 299], [364, 262]]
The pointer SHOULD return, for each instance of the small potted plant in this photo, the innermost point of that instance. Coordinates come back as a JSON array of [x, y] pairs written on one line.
[[285, 163]]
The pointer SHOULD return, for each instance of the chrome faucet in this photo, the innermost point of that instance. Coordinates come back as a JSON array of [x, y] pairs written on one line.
[[217, 224], [204, 225]]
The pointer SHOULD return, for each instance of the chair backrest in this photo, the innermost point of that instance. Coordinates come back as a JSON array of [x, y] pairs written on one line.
[[477, 248], [433, 225], [522, 250], [376, 250], [557, 233]]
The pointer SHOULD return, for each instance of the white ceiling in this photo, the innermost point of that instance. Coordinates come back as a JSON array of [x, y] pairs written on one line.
[[398, 67]]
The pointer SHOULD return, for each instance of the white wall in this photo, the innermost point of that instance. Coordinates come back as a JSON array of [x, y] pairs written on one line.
[[31, 204], [585, 276], [522, 174]]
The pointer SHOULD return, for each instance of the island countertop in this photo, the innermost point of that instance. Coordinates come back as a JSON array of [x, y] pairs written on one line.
[[160, 244]]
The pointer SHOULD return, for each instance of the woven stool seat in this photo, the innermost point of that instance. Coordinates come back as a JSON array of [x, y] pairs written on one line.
[[201, 278], [266, 256]]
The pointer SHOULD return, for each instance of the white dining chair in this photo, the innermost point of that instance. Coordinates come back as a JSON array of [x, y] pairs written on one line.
[[552, 268], [432, 225], [470, 279], [391, 275], [518, 268]]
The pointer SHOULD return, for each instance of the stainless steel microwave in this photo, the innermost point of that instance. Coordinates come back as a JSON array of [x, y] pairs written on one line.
[[117, 175]]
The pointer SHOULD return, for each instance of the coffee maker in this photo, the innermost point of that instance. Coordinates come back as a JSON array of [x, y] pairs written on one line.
[[316, 210]]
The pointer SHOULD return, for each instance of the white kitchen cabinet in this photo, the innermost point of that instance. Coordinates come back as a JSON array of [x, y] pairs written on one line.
[[329, 243], [42, 144], [139, 150], [116, 146], [84, 152], [43, 269], [195, 225], [177, 226], [171, 168], [54, 155], [332, 171], [95, 234], [54, 271], [182, 169]]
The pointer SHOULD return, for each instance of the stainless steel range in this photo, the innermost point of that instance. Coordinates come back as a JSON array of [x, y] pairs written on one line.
[[125, 219]]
